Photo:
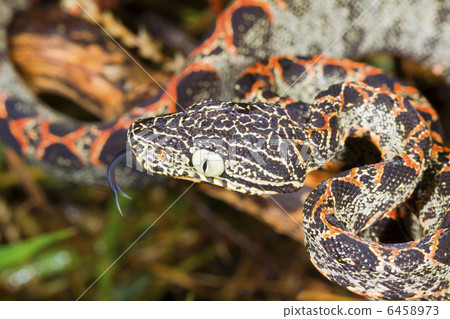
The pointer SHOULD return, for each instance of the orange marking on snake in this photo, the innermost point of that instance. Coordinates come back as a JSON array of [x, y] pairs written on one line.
[[3, 112], [436, 137], [326, 126], [197, 66], [379, 174], [282, 102], [362, 89], [326, 98], [360, 131], [425, 107], [224, 29], [46, 139], [277, 66], [323, 198], [100, 140], [409, 162], [260, 69], [419, 151], [436, 148], [17, 129], [435, 242], [170, 95], [350, 67], [70, 140], [395, 214], [418, 128], [400, 89], [256, 86], [350, 178], [97, 145]]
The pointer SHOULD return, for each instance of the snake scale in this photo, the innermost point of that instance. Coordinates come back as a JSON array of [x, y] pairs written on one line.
[[286, 115]]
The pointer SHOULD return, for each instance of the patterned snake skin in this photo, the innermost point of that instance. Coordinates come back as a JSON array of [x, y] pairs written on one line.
[[267, 148], [340, 212]]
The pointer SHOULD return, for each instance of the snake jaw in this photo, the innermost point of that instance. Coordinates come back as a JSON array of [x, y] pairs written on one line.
[[190, 174]]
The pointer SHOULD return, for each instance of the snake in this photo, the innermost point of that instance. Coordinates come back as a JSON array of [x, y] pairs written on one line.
[[255, 114]]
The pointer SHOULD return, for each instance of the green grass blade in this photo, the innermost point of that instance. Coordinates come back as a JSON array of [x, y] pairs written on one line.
[[21, 251]]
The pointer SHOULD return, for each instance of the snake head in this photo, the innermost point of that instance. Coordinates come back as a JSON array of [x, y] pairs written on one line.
[[246, 147]]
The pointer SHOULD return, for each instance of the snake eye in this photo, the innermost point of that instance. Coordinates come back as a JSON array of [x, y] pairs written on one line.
[[208, 163]]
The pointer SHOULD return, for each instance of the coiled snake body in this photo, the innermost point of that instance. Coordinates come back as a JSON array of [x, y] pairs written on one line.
[[295, 126]]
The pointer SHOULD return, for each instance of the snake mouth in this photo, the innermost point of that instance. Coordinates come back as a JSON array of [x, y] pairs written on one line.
[[230, 185], [156, 160], [186, 172]]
